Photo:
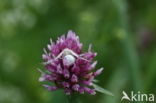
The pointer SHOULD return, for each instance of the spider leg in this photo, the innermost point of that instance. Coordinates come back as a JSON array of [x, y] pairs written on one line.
[[73, 53], [76, 55], [48, 62], [60, 55], [81, 54], [66, 51], [83, 59]]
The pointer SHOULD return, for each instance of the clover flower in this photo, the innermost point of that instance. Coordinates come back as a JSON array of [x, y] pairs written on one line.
[[68, 67]]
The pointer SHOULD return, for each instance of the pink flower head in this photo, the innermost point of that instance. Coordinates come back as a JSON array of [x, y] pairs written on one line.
[[68, 67]]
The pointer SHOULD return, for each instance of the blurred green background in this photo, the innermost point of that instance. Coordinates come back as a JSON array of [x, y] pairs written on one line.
[[122, 33]]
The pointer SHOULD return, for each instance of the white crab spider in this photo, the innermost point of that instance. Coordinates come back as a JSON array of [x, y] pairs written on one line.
[[69, 56]]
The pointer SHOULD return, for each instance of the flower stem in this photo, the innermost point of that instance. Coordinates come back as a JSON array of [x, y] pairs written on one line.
[[72, 99]]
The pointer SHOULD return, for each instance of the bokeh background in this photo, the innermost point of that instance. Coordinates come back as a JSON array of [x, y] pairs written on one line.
[[123, 33]]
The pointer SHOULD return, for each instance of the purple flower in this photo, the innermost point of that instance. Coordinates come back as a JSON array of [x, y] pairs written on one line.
[[68, 67]]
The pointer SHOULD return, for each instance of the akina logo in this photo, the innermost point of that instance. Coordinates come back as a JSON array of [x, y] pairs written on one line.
[[137, 96]]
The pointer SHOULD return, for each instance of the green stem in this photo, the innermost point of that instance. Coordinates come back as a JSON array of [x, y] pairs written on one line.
[[72, 98]]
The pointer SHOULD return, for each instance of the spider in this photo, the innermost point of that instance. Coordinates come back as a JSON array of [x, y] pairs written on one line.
[[69, 56]]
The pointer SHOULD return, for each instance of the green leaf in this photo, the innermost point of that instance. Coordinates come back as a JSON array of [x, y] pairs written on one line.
[[102, 90]]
